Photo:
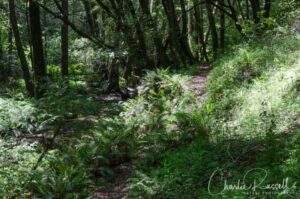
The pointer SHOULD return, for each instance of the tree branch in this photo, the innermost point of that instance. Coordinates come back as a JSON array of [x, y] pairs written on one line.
[[73, 26]]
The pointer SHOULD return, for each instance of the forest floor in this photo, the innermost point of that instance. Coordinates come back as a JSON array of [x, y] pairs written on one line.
[[198, 82], [116, 189]]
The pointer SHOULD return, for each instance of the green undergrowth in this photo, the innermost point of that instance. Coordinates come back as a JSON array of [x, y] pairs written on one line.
[[63, 171], [188, 172], [20, 115], [164, 116], [255, 88], [246, 123], [251, 110]]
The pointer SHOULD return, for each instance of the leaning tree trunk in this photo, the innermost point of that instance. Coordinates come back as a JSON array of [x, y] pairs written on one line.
[[24, 65], [65, 41], [39, 65]]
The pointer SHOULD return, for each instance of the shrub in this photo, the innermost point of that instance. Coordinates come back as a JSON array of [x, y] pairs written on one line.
[[14, 116]]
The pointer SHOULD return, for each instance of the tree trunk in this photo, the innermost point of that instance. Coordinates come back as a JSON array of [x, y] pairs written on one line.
[[44, 31], [10, 48], [148, 19], [184, 34], [267, 8], [65, 41], [213, 28], [174, 32], [1, 61], [247, 10], [192, 38], [38, 64], [24, 65], [255, 5], [91, 18], [1, 49], [142, 50], [222, 28], [200, 31], [114, 85]]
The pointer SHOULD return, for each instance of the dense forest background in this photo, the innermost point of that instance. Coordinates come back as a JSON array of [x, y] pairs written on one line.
[[149, 98]]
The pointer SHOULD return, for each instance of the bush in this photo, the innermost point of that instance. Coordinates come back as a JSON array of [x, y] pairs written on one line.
[[16, 161], [165, 112], [15, 116], [63, 176]]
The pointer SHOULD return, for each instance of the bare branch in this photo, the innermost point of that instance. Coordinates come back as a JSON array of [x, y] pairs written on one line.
[[73, 26]]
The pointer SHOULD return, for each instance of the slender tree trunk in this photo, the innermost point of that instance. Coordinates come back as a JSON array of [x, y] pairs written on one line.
[[28, 31], [127, 35], [184, 34], [91, 18], [255, 5], [174, 32], [212, 24], [247, 10], [267, 8], [10, 48], [65, 41], [44, 31], [240, 8], [191, 27], [39, 65], [140, 36], [20, 50], [101, 25], [1, 60], [113, 76], [222, 28], [114, 85], [1, 50], [1, 44], [234, 16], [200, 31], [148, 19]]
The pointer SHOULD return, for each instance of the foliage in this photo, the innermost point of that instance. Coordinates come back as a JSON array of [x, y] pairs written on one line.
[[253, 100], [165, 112], [185, 173], [64, 176], [242, 88], [70, 141], [16, 161], [15, 115]]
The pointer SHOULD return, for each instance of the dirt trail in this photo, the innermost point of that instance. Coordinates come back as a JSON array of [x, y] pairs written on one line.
[[115, 190], [198, 82]]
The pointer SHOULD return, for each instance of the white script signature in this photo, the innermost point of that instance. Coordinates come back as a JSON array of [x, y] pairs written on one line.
[[242, 185]]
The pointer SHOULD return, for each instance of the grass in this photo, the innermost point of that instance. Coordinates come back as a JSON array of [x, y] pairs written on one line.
[[247, 123], [185, 173], [260, 80], [251, 111]]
